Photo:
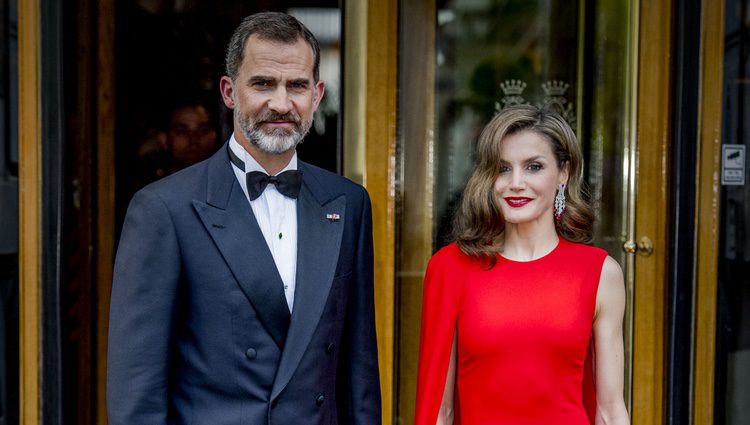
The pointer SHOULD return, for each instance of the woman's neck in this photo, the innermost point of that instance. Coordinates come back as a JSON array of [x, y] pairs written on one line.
[[529, 241]]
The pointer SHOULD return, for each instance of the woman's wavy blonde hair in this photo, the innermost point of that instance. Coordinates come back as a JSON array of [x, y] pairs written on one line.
[[479, 223]]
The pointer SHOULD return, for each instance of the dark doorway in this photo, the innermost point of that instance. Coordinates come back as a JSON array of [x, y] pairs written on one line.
[[8, 213], [165, 53]]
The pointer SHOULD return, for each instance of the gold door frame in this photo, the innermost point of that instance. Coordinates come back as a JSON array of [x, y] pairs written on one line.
[[652, 187], [416, 194], [708, 200], [31, 205], [370, 70], [30, 208]]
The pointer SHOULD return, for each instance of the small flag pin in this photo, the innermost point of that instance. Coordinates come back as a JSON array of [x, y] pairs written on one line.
[[333, 217]]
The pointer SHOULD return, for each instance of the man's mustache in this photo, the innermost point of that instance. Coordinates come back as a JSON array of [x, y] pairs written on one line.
[[270, 117]]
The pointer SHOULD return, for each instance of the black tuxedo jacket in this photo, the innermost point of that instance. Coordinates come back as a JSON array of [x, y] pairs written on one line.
[[200, 332]]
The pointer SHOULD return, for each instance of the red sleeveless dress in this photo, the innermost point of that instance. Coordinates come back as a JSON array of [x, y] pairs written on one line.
[[523, 337]]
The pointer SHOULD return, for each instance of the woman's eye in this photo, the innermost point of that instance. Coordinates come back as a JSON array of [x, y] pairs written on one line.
[[504, 169], [535, 166]]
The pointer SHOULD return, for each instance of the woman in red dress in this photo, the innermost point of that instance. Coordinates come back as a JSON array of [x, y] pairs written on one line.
[[520, 313]]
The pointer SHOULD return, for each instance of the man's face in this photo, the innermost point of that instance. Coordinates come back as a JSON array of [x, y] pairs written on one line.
[[190, 137], [274, 95]]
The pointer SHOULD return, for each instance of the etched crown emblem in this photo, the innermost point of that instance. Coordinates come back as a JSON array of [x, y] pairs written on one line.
[[513, 87], [555, 88], [554, 98]]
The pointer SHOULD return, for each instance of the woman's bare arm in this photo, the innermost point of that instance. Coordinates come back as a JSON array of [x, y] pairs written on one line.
[[609, 372]]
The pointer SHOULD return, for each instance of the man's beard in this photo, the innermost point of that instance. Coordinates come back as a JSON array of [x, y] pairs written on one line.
[[275, 141]]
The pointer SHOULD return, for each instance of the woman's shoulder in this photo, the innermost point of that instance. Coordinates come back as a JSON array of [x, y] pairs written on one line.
[[450, 252], [451, 256], [582, 251], [447, 271], [593, 262]]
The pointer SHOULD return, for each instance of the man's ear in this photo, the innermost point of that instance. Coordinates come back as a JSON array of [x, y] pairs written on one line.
[[227, 91], [318, 91]]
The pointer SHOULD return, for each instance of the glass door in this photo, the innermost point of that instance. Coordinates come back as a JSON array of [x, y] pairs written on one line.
[[462, 61], [733, 283]]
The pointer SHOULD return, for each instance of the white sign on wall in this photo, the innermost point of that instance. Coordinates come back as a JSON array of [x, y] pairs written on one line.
[[733, 165]]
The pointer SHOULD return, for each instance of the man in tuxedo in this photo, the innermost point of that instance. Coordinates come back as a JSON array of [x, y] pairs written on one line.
[[240, 298]]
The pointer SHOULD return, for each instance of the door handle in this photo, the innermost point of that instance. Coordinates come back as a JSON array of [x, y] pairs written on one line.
[[644, 246]]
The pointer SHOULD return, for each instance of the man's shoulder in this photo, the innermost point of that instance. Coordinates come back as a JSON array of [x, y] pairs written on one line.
[[183, 184], [323, 180]]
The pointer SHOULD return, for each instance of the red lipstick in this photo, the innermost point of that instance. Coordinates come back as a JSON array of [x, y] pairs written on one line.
[[517, 202]]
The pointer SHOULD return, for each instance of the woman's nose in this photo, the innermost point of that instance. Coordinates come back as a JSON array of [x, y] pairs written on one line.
[[517, 181]]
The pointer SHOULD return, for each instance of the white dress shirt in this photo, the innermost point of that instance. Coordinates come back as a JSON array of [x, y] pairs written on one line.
[[277, 217]]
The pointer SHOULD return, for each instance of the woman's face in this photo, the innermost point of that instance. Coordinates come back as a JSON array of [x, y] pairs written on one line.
[[529, 178]]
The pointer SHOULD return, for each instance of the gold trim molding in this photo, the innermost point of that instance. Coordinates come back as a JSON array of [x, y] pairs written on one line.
[[371, 31], [707, 214], [30, 206], [655, 45]]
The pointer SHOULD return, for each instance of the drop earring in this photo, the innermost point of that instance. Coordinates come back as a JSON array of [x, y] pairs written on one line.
[[560, 202]]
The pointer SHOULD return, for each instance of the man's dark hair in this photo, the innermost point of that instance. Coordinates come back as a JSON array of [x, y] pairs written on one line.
[[270, 26]]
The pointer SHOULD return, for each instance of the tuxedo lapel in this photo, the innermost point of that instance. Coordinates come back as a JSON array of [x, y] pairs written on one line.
[[229, 219], [320, 227]]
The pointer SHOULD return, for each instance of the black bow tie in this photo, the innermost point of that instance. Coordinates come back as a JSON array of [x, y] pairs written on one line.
[[287, 183]]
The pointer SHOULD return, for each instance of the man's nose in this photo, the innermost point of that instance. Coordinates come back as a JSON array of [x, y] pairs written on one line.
[[280, 102]]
